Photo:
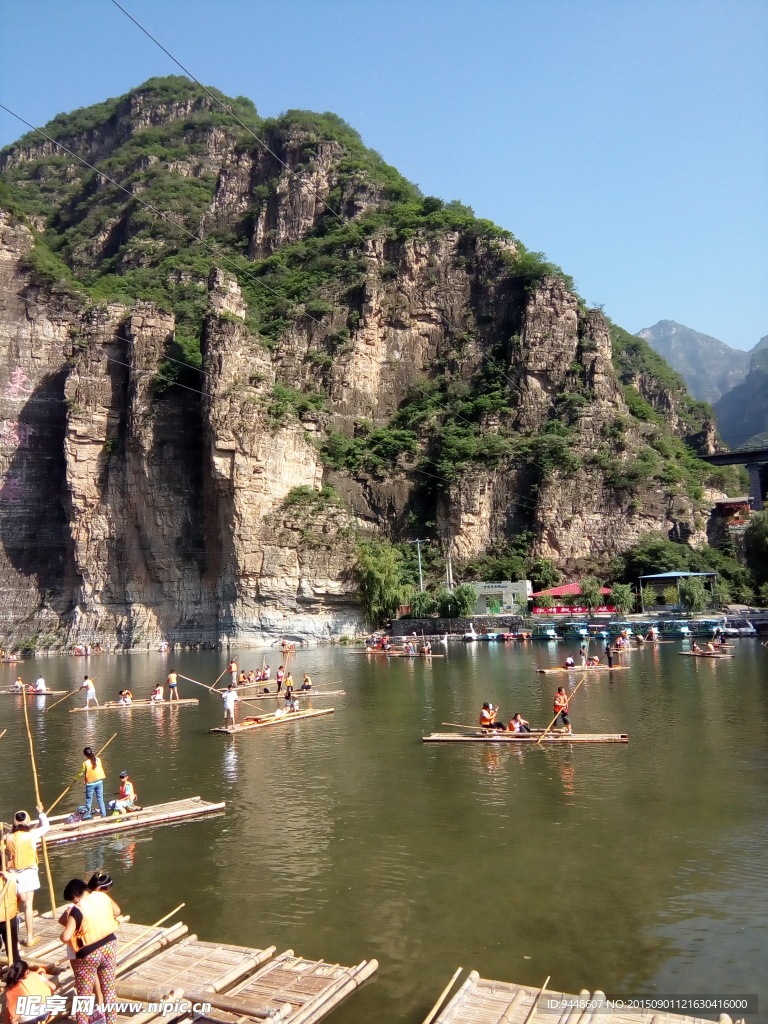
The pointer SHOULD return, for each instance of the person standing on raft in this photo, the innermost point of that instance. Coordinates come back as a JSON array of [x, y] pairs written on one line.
[[90, 932], [21, 846], [232, 669], [230, 698], [173, 685], [94, 773], [560, 709], [90, 691]]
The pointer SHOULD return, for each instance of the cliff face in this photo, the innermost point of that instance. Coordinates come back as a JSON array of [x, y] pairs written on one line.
[[340, 358]]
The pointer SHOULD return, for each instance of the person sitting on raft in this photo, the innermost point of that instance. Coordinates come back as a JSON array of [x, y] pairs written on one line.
[[124, 697], [307, 683], [592, 662], [488, 717], [157, 693], [291, 703], [126, 796], [25, 982], [695, 649], [519, 724], [569, 662], [426, 647]]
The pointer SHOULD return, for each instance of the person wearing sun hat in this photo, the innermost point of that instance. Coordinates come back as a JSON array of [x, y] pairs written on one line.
[[22, 846]]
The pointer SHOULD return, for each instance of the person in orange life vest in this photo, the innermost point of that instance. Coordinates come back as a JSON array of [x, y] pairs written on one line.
[[233, 670], [9, 914], [126, 796], [519, 724], [22, 859], [173, 685], [560, 709], [94, 773], [90, 933], [25, 981], [488, 717]]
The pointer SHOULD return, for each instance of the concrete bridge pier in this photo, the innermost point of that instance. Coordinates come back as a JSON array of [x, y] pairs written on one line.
[[755, 486]]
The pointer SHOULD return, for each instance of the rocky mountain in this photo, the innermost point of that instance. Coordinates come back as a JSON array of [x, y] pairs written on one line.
[[709, 367], [742, 413], [229, 349]]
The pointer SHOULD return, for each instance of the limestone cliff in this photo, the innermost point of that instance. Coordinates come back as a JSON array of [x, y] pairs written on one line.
[[203, 411]]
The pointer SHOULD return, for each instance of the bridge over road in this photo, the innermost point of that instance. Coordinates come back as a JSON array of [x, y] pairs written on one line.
[[756, 461]]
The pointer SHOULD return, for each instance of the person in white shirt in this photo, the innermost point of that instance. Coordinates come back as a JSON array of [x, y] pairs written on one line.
[[40, 686], [90, 691], [230, 698]]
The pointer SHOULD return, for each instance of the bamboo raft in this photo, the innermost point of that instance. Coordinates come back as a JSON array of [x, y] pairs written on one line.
[[241, 984], [703, 654], [264, 721], [399, 654], [296, 693], [289, 989], [158, 814], [580, 668], [497, 736], [113, 705], [480, 1001], [33, 693]]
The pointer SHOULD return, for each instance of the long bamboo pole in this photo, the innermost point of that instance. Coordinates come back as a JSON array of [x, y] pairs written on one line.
[[441, 998], [214, 687], [140, 937], [8, 945], [532, 1011], [43, 845], [71, 692], [3, 733], [79, 774], [570, 698], [214, 690]]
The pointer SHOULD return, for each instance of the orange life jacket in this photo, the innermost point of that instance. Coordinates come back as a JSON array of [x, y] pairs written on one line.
[[33, 985], [22, 848], [98, 910], [561, 702], [9, 904], [94, 774], [127, 792]]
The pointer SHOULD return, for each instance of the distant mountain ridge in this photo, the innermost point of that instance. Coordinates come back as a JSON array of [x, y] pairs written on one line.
[[742, 413], [708, 366]]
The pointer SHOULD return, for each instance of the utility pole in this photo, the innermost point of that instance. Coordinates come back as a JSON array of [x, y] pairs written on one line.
[[418, 544]]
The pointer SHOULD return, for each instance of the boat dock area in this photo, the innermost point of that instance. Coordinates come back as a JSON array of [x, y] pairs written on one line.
[[167, 974], [480, 1001]]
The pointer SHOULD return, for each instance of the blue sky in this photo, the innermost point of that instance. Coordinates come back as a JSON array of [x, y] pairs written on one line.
[[627, 139]]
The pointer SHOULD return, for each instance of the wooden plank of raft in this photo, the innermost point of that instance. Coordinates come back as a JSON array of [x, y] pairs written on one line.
[[112, 705], [527, 738], [249, 724]]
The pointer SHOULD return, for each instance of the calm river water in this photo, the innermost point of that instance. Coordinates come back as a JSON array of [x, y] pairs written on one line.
[[633, 869]]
